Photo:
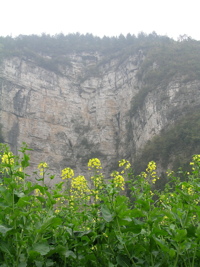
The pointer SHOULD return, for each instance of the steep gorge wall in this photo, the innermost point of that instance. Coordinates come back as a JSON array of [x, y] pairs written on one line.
[[69, 117], [87, 109]]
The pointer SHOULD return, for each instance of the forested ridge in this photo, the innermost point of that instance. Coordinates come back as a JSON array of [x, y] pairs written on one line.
[[172, 57]]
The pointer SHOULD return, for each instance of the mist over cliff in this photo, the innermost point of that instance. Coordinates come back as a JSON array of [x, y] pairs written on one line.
[[74, 97]]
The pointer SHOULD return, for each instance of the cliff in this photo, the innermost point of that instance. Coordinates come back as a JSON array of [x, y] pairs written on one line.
[[90, 106]]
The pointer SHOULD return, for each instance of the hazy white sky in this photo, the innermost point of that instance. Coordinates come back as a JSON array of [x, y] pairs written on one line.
[[100, 17]]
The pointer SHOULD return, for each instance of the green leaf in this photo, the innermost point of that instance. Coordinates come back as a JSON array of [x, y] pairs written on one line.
[[25, 161], [3, 205], [198, 231], [120, 239], [123, 261], [50, 222], [37, 186], [159, 232], [172, 226], [69, 230], [81, 233], [172, 253], [191, 231], [5, 248], [58, 195], [61, 250], [180, 235], [162, 244], [41, 199], [107, 215], [137, 213], [49, 263], [52, 177], [70, 253], [19, 194], [4, 229], [22, 264], [145, 206], [134, 229], [33, 254], [24, 201], [42, 248], [39, 263]]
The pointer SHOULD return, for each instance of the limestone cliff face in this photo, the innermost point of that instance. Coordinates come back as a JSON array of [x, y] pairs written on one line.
[[162, 107], [84, 110], [69, 117]]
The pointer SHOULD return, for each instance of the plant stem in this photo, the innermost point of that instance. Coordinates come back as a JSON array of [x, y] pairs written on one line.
[[125, 247], [193, 258], [176, 261]]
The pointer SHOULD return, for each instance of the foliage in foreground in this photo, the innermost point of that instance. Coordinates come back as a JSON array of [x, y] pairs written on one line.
[[90, 222]]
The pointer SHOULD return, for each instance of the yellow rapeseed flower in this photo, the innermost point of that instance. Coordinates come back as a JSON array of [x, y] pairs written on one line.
[[79, 187], [169, 172], [118, 179], [151, 166], [8, 158], [94, 163], [57, 211], [97, 180], [79, 183], [196, 158], [67, 173], [125, 163], [144, 174], [151, 172], [190, 191], [37, 192], [42, 166]]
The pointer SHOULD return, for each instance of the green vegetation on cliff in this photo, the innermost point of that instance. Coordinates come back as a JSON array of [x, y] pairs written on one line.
[[162, 57], [173, 146], [165, 62]]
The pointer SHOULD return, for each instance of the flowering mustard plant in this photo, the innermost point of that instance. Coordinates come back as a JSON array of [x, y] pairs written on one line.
[[79, 187], [118, 180], [94, 163], [151, 172], [8, 158], [195, 164], [97, 180], [37, 192], [42, 166], [44, 226], [67, 173], [124, 163]]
